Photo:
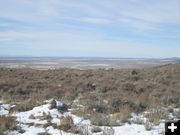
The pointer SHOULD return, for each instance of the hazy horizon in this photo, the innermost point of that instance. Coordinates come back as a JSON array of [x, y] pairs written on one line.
[[87, 57]]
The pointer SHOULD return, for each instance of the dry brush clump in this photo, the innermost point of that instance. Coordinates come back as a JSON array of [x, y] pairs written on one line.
[[148, 126], [96, 129], [26, 105], [138, 120], [157, 114], [176, 113], [122, 116], [44, 133], [7, 123], [108, 131], [67, 125], [105, 120]]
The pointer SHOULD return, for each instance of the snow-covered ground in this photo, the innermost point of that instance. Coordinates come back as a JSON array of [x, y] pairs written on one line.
[[32, 122], [4, 108]]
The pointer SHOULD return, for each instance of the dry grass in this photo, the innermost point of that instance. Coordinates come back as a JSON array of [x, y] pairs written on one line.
[[96, 129], [122, 116], [67, 125], [102, 92], [7, 123], [104, 120], [43, 133], [156, 115]]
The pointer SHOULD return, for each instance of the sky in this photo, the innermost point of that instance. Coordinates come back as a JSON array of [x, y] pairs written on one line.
[[90, 28]]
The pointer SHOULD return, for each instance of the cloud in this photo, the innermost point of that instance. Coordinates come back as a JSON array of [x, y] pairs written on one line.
[[138, 24], [161, 11], [99, 26], [5, 24], [96, 20]]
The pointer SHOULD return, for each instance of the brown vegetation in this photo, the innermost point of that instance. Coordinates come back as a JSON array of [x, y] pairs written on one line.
[[100, 91], [7, 123]]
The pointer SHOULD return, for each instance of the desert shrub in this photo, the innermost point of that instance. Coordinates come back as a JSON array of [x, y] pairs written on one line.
[[75, 130], [66, 123], [173, 99], [129, 87], [170, 110], [121, 117], [138, 120], [115, 103], [26, 105], [22, 91], [96, 129], [162, 133], [125, 118], [134, 72], [53, 104], [32, 116], [82, 112], [70, 96], [115, 123], [140, 106], [101, 120], [140, 102], [135, 78], [48, 118], [43, 133], [104, 120], [45, 116], [148, 126], [7, 123], [176, 113], [156, 115], [84, 130], [108, 131], [99, 108]]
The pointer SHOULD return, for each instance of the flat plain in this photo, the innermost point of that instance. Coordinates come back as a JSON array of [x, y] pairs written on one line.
[[82, 63]]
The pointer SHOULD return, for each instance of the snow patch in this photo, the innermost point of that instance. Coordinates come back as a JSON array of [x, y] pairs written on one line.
[[4, 108], [32, 121]]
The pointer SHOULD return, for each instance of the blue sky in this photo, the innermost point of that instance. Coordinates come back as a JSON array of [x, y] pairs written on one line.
[[99, 28]]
